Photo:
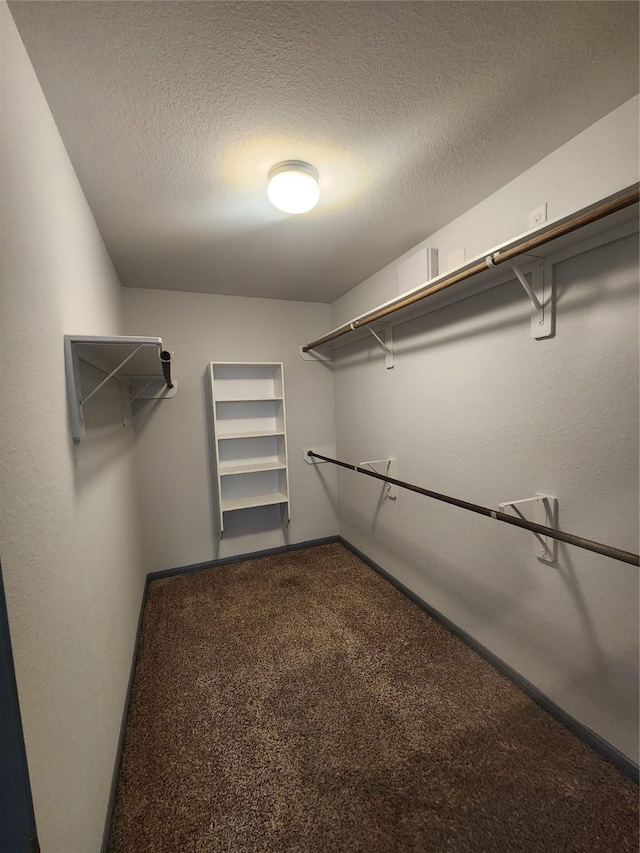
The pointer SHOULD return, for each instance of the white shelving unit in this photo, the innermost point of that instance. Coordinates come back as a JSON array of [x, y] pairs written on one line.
[[141, 365], [250, 437]]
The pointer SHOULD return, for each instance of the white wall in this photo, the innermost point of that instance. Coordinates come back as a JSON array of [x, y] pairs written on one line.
[[477, 409], [173, 446], [70, 547]]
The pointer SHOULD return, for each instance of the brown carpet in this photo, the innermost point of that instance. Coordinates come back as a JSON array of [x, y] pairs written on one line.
[[301, 703]]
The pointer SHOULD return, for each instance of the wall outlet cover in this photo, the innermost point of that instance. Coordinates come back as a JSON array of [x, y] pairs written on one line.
[[538, 216]]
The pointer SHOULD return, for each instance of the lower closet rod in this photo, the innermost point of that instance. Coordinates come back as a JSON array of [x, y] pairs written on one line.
[[578, 541]]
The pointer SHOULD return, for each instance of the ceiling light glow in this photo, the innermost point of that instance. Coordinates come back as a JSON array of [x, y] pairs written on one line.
[[293, 186]]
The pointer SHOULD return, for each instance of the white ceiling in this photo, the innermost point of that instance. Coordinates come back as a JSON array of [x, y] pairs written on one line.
[[412, 112]]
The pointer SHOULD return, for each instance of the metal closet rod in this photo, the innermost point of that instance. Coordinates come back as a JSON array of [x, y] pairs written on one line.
[[499, 257], [578, 541]]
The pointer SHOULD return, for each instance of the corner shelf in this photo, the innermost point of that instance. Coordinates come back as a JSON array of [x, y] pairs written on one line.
[[140, 364], [249, 436]]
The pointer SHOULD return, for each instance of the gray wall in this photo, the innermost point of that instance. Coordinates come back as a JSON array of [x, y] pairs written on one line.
[[70, 545], [173, 442], [476, 408]]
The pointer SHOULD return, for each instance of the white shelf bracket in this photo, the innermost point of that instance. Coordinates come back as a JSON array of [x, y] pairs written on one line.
[[527, 287], [110, 354], [386, 345], [540, 293], [389, 469], [110, 376], [544, 509]]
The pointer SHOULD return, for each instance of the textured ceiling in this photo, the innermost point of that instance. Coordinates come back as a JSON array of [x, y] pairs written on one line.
[[173, 112]]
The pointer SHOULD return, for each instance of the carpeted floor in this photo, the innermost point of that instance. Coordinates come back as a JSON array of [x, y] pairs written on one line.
[[301, 704]]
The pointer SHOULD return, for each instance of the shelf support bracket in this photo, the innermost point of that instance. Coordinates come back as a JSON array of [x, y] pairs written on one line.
[[545, 511], [541, 295], [386, 345], [390, 467], [110, 376], [97, 351], [527, 287], [124, 403], [139, 393]]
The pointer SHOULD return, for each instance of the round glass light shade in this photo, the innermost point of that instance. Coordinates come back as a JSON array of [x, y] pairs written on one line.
[[293, 186]]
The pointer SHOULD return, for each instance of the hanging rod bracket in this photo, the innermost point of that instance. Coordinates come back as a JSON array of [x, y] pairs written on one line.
[[325, 451], [386, 345], [320, 354], [544, 509], [388, 468]]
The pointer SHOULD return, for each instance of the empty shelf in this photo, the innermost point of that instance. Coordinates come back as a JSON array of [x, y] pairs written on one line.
[[258, 434], [250, 400], [250, 468], [253, 501]]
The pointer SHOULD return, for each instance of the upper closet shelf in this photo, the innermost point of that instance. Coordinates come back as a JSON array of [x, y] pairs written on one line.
[[141, 365], [527, 260]]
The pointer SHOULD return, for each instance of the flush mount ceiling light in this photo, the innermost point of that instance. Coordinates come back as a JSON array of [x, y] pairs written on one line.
[[293, 186]]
